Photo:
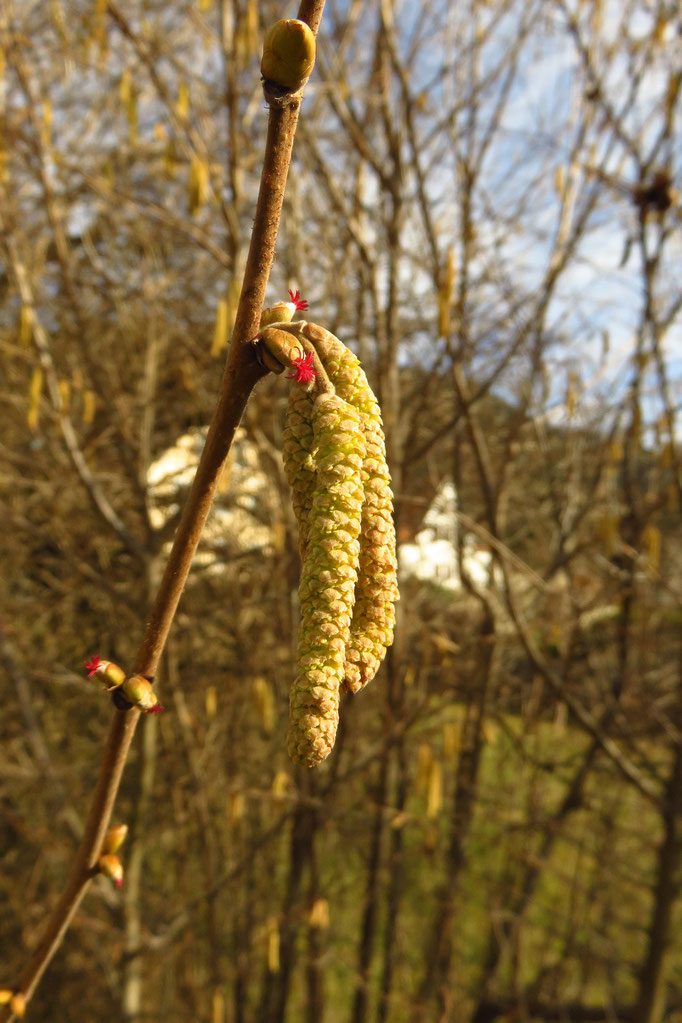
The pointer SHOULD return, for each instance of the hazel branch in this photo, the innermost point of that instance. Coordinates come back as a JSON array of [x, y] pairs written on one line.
[[242, 372]]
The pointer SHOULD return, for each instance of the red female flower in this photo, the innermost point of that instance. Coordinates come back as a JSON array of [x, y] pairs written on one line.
[[304, 368], [299, 303], [93, 665], [109, 673]]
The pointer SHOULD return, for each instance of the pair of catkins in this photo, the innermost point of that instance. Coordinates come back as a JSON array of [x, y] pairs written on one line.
[[335, 461]]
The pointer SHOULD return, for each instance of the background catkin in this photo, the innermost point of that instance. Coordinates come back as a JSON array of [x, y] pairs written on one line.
[[377, 588], [328, 579]]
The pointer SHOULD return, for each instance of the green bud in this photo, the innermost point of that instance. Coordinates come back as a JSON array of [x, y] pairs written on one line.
[[280, 312], [138, 690], [288, 54]]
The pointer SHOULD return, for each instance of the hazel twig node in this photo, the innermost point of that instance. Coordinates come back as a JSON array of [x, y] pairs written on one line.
[[108, 862], [133, 691]]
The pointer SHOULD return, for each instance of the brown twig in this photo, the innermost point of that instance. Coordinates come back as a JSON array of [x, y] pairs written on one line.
[[242, 372]]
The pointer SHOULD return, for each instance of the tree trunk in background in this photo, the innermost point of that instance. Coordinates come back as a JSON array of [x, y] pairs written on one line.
[[371, 900], [650, 1003], [316, 943], [276, 985], [395, 886], [439, 949], [501, 931]]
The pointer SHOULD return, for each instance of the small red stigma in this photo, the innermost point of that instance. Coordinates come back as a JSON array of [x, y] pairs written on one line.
[[304, 369], [93, 665], [119, 882], [156, 709], [299, 302]]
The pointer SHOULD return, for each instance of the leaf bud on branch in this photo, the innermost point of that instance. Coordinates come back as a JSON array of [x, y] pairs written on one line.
[[16, 1001], [111, 867], [136, 691], [288, 54]]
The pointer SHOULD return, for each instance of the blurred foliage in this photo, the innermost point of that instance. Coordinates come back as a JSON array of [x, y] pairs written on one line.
[[497, 835]]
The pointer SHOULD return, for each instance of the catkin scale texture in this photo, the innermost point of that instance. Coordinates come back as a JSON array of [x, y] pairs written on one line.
[[328, 579], [299, 459], [377, 588], [298, 444]]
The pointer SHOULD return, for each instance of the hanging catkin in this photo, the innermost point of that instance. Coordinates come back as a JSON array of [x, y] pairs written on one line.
[[328, 579], [377, 586], [335, 461]]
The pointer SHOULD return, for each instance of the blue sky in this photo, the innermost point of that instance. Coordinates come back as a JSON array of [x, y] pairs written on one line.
[[596, 310]]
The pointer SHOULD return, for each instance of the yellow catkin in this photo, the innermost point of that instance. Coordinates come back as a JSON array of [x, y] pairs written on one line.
[[328, 579], [299, 459], [377, 588]]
